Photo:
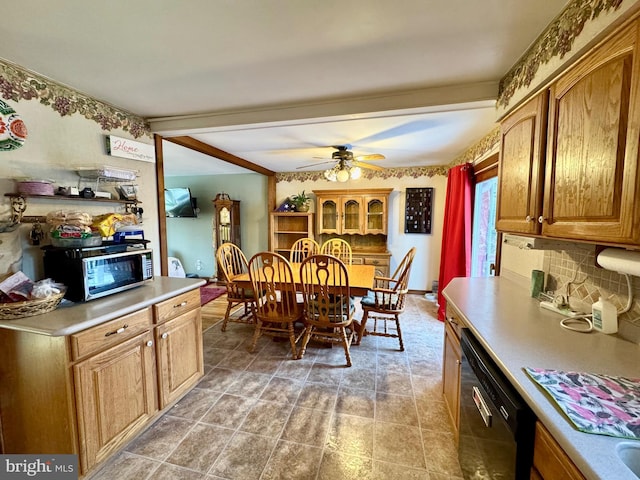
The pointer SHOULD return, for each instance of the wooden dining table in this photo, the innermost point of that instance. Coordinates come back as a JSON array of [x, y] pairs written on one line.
[[360, 278], [360, 282]]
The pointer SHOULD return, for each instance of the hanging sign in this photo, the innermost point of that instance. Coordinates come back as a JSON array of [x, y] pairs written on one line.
[[122, 147]]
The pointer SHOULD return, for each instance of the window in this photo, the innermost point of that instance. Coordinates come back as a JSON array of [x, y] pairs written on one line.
[[484, 239]]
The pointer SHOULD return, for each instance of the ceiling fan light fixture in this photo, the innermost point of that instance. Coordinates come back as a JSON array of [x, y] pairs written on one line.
[[355, 173]]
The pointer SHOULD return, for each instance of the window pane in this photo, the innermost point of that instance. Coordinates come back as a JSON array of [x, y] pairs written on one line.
[[484, 236]]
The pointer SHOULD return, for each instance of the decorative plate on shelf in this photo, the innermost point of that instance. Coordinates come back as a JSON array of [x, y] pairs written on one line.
[[13, 131]]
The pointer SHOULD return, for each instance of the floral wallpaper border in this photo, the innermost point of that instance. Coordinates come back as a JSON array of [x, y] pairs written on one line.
[[478, 150], [556, 40], [413, 172], [17, 84]]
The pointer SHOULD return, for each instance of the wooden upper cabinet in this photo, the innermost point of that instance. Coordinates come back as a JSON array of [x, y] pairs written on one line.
[[352, 212], [520, 176], [587, 186], [591, 177]]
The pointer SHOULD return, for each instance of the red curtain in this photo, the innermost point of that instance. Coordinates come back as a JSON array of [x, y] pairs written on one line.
[[455, 258]]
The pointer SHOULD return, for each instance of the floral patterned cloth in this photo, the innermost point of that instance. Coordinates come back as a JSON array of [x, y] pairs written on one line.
[[599, 404]]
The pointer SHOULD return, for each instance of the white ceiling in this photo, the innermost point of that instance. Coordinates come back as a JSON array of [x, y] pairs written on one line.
[[276, 82]]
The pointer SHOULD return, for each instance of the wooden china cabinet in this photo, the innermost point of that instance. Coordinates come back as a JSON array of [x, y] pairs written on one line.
[[360, 217]]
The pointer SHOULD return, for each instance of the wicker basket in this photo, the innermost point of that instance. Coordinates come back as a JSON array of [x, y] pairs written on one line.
[[28, 308]]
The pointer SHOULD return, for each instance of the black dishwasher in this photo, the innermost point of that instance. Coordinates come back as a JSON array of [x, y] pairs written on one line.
[[496, 425]]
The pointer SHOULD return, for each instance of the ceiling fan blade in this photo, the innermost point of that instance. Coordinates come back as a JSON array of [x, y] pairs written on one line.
[[316, 164], [368, 158], [356, 163]]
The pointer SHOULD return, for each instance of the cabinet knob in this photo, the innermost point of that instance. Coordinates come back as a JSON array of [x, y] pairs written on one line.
[[541, 219], [164, 335], [180, 305], [528, 218], [149, 343], [453, 320], [458, 362]]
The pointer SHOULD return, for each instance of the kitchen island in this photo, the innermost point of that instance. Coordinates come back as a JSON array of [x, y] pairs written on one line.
[[517, 333], [87, 378]]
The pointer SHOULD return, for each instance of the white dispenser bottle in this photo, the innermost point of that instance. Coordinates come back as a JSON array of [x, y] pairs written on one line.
[[605, 316]]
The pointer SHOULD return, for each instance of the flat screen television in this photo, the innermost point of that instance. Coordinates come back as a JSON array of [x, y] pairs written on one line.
[[178, 202]]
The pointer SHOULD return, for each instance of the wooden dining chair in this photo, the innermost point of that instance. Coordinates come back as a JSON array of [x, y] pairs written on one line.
[[338, 248], [386, 302], [303, 248], [277, 308], [232, 262], [328, 307]]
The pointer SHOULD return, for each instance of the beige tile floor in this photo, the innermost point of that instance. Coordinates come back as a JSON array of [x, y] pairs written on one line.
[[265, 416]]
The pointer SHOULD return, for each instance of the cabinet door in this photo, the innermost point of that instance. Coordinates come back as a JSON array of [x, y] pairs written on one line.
[[180, 364], [451, 375], [115, 397], [550, 460], [329, 215], [521, 168], [375, 215], [592, 161], [352, 218]]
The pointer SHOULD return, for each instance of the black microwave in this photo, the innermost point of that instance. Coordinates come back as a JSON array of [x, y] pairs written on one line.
[[94, 272]]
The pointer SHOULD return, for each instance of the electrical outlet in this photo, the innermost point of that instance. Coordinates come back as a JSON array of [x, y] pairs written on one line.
[[564, 310], [198, 264]]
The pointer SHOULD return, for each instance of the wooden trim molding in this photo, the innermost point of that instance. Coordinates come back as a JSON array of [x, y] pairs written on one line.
[[198, 146], [17, 83], [556, 41]]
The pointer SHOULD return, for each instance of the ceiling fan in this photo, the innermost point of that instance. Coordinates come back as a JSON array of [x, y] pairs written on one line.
[[347, 165]]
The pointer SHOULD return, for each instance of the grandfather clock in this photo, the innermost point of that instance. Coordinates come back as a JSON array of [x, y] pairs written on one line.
[[226, 220]]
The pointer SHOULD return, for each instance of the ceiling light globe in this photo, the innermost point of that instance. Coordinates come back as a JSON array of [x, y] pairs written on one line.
[[342, 175], [330, 175], [355, 172]]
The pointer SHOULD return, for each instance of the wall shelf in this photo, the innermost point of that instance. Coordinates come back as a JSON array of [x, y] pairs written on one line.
[[19, 202]]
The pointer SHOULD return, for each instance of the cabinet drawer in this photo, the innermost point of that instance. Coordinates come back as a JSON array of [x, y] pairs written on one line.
[[357, 261], [109, 333], [453, 319], [175, 306], [379, 262]]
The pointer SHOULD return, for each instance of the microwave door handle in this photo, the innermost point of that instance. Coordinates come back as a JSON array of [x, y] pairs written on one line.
[[481, 405]]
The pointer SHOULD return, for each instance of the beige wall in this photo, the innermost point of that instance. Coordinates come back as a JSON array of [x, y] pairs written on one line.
[[54, 148]]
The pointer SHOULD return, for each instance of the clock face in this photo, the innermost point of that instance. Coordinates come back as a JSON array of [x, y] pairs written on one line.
[[225, 216]]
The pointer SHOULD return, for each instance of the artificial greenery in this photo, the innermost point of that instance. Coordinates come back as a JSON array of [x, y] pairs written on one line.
[[301, 199]]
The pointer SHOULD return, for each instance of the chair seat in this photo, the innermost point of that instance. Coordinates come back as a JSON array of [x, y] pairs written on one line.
[[340, 308], [384, 300]]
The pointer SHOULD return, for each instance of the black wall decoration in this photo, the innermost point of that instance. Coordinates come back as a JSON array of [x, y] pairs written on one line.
[[418, 207]]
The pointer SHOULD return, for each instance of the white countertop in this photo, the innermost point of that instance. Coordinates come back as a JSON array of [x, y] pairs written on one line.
[[517, 333], [74, 317]]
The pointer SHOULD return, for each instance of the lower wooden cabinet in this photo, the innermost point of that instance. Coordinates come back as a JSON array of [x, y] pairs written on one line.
[[380, 260], [115, 397], [179, 348], [451, 375], [92, 392], [550, 462]]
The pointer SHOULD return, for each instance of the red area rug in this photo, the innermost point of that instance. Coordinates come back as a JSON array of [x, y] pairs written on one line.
[[208, 294]]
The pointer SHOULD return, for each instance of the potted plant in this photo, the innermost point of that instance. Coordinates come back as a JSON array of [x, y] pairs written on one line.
[[301, 201]]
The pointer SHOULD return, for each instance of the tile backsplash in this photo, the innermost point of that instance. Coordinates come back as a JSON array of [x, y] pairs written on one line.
[[573, 272]]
